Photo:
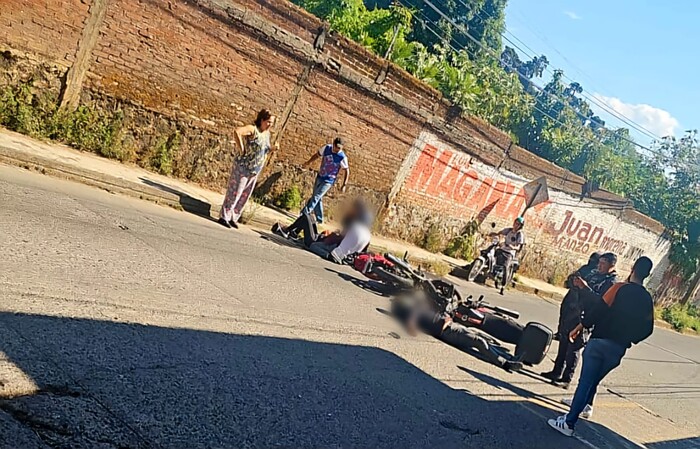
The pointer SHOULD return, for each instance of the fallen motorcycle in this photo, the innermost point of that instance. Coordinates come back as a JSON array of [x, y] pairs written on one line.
[[532, 340]]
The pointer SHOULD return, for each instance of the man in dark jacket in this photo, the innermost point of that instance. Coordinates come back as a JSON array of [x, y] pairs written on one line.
[[572, 308], [622, 317]]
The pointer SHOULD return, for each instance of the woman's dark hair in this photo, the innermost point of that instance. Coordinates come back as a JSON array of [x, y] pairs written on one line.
[[263, 115], [642, 267]]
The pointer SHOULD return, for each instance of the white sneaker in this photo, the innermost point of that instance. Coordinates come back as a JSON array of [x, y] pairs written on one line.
[[561, 426], [587, 410]]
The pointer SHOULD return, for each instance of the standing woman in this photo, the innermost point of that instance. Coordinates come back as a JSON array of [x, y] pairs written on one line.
[[254, 143]]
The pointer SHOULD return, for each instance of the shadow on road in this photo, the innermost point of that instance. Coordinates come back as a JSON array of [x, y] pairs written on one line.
[[281, 241], [188, 203], [131, 385], [376, 287]]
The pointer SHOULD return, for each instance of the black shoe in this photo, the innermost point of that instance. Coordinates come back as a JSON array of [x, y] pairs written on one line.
[[233, 224], [561, 384], [549, 375], [224, 223], [512, 366], [279, 230]]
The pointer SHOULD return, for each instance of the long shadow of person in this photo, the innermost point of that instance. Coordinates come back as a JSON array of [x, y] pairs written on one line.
[[188, 203], [376, 287], [592, 434]]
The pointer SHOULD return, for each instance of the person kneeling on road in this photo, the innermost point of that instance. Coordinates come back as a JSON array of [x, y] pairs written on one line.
[[443, 328], [335, 246]]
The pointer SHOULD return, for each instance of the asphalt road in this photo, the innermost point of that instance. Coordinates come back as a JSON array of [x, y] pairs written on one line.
[[127, 324]]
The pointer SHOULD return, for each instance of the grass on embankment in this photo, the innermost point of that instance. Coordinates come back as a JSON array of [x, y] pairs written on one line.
[[681, 317]]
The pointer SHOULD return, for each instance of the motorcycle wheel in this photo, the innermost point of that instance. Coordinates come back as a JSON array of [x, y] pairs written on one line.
[[475, 270], [392, 278]]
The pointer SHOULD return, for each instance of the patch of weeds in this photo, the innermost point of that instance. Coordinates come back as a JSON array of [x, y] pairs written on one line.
[[465, 244], [98, 132], [432, 241], [682, 317], [437, 267], [24, 112], [558, 275], [162, 153], [36, 114], [251, 208], [290, 199]]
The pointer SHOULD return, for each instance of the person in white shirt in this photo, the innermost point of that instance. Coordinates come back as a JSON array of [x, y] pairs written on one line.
[[336, 246], [512, 244], [333, 160]]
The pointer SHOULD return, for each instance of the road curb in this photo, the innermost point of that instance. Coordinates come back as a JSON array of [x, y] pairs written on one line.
[[111, 184]]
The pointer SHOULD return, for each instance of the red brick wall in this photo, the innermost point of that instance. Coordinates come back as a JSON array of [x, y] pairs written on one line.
[[175, 57], [378, 137], [48, 28]]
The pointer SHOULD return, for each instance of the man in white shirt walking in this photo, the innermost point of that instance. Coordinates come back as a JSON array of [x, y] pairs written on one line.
[[333, 159]]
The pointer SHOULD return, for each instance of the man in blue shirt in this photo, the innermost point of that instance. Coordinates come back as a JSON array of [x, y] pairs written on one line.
[[333, 159]]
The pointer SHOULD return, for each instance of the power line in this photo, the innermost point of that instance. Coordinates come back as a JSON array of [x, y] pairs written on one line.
[[497, 58], [605, 107], [444, 39]]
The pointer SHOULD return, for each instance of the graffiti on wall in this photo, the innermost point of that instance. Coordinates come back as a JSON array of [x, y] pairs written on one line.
[[576, 235], [451, 176], [473, 189]]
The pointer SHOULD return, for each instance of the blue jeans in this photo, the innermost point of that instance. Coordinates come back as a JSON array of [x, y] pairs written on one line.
[[315, 204], [599, 358]]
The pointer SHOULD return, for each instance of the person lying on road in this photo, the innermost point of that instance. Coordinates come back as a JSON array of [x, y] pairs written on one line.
[[416, 317]]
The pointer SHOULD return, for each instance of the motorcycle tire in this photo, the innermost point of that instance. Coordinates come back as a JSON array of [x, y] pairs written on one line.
[[475, 270], [393, 278]]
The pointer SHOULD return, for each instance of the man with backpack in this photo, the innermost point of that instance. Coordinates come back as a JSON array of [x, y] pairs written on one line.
[[596, 280], [622, 317]]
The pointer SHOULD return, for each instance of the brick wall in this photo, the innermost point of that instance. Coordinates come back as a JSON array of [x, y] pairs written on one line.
[[50, 29], [203, 67]]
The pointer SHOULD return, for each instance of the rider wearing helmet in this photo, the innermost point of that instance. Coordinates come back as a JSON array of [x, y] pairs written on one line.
[[513, 243]]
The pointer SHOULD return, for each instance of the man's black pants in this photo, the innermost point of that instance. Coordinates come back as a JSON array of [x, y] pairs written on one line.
[[568, 356], [304, 223]]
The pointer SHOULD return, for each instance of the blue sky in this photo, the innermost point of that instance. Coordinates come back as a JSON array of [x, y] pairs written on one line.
[[638, 57]]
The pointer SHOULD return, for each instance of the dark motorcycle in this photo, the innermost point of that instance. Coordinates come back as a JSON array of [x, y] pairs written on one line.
[[532, 341], [499, 324]]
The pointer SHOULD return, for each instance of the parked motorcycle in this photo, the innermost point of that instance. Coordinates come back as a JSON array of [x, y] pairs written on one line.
[[488, 265]]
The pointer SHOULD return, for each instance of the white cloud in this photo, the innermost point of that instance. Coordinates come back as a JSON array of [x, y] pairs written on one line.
[[572, 15], [657, 121]]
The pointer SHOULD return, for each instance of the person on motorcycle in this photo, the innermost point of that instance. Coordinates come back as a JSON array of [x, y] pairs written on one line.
[[513, 243], [416, 316]]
